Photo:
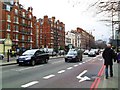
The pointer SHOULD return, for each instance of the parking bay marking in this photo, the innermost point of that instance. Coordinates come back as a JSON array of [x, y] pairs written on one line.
[[30, 84]]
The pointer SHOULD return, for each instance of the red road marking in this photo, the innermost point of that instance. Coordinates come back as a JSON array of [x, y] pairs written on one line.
[[97, 80]]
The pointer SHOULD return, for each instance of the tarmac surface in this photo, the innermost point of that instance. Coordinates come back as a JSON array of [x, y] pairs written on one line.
[[112, 83]]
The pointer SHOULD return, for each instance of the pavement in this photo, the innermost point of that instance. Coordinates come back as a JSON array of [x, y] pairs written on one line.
[[112, 83]]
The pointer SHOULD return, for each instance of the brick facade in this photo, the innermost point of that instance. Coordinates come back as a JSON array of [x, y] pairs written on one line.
[[18, 24]]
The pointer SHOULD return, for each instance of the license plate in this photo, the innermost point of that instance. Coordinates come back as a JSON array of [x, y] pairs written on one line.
[[20, 61]]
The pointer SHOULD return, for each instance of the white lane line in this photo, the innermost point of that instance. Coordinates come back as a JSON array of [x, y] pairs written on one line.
[[75, 65], [61, 71], [29, 84], [80, 63], [57, 62], [49, 76], [70, 68], [83, 62]]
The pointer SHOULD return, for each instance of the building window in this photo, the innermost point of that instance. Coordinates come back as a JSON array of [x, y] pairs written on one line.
[[23, 14], [16, 11], [23, 44], [30, 16], [8, 17], [31, 24], [23, 21], [8, 26], [16, 37], [16, 28], [23, 37], [8, 8], [15, 19]]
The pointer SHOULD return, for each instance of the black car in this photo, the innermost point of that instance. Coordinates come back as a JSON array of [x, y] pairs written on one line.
[[33, 57], [73, 55]]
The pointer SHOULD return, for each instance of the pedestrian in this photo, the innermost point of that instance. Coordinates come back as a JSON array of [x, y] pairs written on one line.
[[108, 56]]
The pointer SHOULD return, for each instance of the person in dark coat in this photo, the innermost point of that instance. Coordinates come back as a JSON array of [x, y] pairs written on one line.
[[108, 56]]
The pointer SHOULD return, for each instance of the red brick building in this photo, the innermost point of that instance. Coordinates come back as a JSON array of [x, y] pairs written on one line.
[[18, 24], [26, 31], [51, 33]]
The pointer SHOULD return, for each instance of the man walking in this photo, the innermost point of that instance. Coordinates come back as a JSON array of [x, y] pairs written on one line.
[[108, 56]]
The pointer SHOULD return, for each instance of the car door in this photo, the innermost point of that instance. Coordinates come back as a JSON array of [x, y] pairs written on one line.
[[37, 56]]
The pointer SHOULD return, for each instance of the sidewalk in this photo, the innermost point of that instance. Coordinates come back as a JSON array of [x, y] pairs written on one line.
[[111, 83], [12, 61]]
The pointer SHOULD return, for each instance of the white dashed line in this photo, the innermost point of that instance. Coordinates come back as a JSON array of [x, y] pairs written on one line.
[[80, 63], [29, 84], [62, 71], [83, 62], [57, 62], [75, 65], [70, 68], [49, 76]]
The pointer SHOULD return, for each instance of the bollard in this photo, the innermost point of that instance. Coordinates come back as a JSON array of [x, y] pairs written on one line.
[[8, 55]]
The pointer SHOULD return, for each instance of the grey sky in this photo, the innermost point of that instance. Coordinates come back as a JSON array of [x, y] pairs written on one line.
[[72, 13]]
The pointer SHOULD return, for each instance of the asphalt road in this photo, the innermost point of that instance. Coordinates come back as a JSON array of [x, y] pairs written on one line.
[[55, 74]]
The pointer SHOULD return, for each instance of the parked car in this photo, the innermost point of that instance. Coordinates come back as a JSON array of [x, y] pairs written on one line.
[[33, 57], [73, 55], [1, 56], [61, 52], [92, 53], [86, 52]]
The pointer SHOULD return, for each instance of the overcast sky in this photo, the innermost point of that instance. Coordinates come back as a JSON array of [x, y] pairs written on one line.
[[71, 13]]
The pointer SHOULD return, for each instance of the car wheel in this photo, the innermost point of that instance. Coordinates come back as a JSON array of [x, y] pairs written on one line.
[[33, 62], [66, 60], [46, 60], [20, 64]]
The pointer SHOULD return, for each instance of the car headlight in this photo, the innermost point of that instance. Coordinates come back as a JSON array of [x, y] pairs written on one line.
[[28, 58]]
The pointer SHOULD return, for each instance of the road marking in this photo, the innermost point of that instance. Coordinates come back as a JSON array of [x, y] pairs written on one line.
[[80, 63], [70, 68], [57, 62], [79, 76], [83, 62], [49, 76], [29, 84], [75, 65], [61, 71], [82, 78]]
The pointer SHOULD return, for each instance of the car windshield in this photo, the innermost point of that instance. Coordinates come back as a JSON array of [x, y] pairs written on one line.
[[29, 52], [72, 53]]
